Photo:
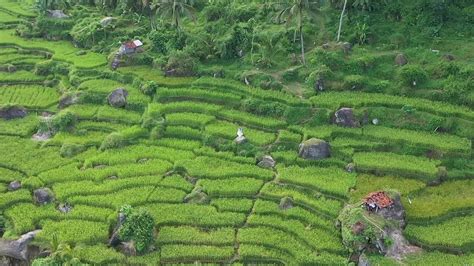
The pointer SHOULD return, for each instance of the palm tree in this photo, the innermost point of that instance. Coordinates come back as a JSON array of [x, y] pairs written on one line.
[[340, 20], [174, 9], [44, 5], [296, 9]]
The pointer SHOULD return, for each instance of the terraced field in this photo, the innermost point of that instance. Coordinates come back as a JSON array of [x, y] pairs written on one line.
[[179, 140]]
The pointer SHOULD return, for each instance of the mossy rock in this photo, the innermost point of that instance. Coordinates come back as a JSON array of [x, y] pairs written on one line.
[[314, 149], [197, 196]]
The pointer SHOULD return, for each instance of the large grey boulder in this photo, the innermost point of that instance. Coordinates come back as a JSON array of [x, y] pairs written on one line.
[[449, 57], [43, 196], [346, 47], [128, 248], [14, 185], [12, 112], [59, 14], [64, 207], [401, 60], [267, 162], [363, 260], [396, 212], [350, 168], [286, 203], [314, 149], [345, 117], [68, 100], [118, 98], [106, 21], [240, 139], [19, 248], [197, 196], [114, 239]]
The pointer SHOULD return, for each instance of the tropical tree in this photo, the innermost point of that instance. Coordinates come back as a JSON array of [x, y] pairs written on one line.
[[44, 5], [297, 10], [174, 10], [340, 20]]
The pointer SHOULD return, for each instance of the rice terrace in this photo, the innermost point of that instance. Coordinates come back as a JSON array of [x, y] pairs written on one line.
[[236, 132]]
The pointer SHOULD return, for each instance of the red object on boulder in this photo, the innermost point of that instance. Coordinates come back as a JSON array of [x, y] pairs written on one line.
[[377, 200]]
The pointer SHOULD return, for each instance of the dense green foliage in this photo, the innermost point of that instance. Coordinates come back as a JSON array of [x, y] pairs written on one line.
[[206, 69], [138, 227]]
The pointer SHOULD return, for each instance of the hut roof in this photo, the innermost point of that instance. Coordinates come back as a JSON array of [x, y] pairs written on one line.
[[379, 198], [133, 44]]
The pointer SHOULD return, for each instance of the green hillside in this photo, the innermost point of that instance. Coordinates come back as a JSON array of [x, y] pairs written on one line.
[[155, 174]]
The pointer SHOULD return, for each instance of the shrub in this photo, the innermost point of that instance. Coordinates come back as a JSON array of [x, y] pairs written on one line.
[[149, 88], [290, 74], [322, 72], [364, 63], [331, 59], [46, 68], [182, 63], [152, 119], [354, 82], [412, 75], [260, 107], [138, 227], [159, 40], [398, 40], [114, 140], [62, 122], [70, 150]]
